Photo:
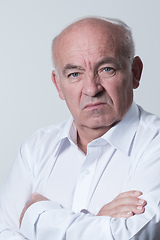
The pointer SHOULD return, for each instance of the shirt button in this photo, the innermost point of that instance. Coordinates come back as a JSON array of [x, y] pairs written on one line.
[[86, 172]]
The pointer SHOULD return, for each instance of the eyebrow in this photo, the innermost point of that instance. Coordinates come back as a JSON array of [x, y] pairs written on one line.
[[97, 65], [71, 67], [108, 60]]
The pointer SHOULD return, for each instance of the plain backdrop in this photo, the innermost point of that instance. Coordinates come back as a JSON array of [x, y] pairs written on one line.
[[28, 99]]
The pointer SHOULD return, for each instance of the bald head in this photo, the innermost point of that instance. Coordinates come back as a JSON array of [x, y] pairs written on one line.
[[117, 32]]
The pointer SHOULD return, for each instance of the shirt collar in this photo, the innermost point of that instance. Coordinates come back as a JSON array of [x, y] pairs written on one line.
[[67, 131], [122, 134], [119, 136]]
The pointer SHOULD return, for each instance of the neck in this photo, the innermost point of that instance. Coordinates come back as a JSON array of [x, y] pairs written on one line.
[[87, 135]]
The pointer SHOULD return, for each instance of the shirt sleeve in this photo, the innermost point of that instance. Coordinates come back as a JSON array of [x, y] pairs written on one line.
[[11, 235], [14, 194], [51, 220], [48, 219]]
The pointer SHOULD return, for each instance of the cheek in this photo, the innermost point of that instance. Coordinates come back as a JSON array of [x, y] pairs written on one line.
[[125, 95], [71, 97], [120, 91], [65, 91]]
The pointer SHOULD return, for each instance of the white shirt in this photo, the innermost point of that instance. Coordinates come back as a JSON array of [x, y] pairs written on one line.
[[126, 158]]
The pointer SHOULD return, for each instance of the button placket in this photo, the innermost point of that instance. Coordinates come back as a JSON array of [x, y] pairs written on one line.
[[84, 180]]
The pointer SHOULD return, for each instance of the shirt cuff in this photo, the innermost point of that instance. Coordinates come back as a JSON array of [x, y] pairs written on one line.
[[32, 214]]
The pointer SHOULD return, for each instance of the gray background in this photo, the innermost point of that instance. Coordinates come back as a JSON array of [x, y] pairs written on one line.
[[28, 99]]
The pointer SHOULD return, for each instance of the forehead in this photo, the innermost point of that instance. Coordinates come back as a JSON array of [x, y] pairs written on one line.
[[86, 42]]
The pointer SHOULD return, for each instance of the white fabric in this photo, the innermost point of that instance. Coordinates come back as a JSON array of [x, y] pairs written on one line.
[[126, 158]]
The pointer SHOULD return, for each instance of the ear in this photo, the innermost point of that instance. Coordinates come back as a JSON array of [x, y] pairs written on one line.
[[56, 82], [137, 67]]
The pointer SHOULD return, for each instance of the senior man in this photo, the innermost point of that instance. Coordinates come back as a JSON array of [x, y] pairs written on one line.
[[84, 179]]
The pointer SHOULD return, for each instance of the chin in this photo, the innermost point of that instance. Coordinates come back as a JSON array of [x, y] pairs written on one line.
[[99, 124]]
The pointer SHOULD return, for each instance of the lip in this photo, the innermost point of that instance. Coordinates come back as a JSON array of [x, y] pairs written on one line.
[[92, 106]]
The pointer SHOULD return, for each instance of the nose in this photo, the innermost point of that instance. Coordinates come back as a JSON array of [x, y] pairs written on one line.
[[92, 86]]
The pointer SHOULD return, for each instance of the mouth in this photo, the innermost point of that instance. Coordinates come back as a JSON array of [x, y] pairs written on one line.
[[93, 106]]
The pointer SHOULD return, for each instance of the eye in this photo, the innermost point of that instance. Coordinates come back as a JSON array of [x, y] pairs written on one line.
[[74, 75], [107, 71]]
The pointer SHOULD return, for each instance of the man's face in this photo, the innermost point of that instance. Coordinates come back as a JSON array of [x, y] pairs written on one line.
[[94, 80]]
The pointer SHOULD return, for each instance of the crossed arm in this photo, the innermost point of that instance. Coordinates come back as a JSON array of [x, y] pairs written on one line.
[[43, 217], [124, 205]]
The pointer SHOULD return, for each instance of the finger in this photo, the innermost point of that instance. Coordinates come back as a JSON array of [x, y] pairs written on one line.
[[20, 220], [131, 213], [126, 211], [127, 215], [22, 215], [121, 206], [131, 201], [127, 201], [133, 193], [36, 197]]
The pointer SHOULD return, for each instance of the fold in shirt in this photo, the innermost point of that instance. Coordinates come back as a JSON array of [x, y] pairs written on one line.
[[126, 158]]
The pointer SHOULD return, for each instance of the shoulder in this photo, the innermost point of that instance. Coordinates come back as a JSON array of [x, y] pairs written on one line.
[[147, 136], [40, 148], [46, 136], [149, 120]]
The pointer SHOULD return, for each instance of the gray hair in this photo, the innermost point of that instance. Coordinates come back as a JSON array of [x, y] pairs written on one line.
[[127, 48], [128, 42]]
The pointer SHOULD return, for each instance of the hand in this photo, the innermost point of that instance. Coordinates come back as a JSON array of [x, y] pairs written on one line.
[[124, 205], [36, 197]]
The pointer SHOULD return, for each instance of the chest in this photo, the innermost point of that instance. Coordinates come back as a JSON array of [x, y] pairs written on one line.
[[87, 182]]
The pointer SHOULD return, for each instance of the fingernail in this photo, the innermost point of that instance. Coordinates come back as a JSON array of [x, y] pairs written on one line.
[[137, 193], [141, 201], [139, 207]]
